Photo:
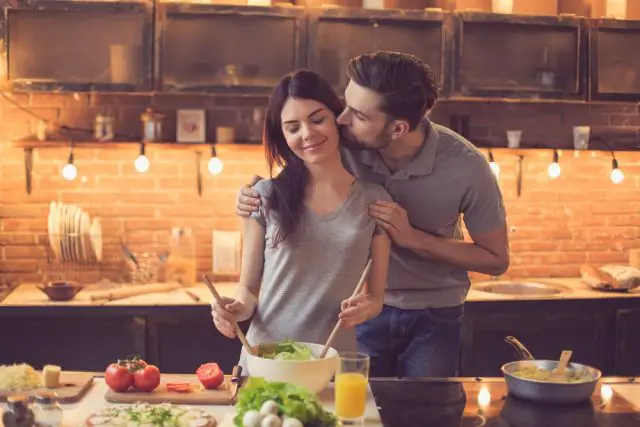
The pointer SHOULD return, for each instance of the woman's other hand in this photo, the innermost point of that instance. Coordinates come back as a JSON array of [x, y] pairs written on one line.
[[358, 309]]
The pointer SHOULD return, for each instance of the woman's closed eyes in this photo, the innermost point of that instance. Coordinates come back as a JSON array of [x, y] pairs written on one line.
[[294, 127]]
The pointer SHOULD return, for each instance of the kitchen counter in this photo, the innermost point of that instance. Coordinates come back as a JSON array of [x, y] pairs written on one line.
[[175, 332], [443, 403], [30, 295]]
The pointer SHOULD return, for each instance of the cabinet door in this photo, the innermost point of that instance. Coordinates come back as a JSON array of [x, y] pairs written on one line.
[[209, 47], [87, 344], [627, 342], [99, 46], [180, 345], [523, 57], [336, 36], [545, 335], [613, 69]]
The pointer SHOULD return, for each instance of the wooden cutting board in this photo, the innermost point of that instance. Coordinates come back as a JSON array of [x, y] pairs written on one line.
[[74, 385], [197, 396]]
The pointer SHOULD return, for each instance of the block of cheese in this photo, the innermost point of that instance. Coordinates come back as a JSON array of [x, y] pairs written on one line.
[[51, 376]]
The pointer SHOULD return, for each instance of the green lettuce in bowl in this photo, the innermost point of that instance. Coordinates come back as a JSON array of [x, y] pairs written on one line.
[[286, 350]]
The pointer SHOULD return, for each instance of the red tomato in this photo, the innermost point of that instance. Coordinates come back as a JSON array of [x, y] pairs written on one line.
[[147, 378], [210, 375], [118, 377]]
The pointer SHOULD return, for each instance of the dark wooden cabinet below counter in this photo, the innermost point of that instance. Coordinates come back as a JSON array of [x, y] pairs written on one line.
[[601, 332]]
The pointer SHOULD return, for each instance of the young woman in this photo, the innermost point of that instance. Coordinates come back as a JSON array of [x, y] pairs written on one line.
[[306, 248]]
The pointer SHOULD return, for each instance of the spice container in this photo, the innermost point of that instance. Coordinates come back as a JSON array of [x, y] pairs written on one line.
[[18, 413], [47, 410], [151, 126], [181, 263]]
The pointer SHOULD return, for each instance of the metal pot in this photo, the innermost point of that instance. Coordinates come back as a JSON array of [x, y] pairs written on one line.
[[544, 391]]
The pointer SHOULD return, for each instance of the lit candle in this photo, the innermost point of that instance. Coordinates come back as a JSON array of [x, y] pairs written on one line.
[[606, 392], [484, 398]]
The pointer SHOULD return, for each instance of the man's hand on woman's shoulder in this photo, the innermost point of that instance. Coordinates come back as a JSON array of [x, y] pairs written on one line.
[[248, 199]]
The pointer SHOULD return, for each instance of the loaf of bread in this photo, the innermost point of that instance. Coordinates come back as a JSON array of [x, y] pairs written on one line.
[[611, 277]]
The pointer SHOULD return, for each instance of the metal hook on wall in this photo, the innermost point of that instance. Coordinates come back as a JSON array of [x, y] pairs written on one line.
[[28, 167]]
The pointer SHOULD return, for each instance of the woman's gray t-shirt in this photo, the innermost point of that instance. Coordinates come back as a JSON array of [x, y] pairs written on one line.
[[308, 275]]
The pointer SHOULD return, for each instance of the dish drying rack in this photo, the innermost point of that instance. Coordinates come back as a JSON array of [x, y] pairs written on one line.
[[70, 257]]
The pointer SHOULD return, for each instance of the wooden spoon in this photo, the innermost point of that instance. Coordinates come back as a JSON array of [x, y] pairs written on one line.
[[558, 374], [336, 328], [239, 333]]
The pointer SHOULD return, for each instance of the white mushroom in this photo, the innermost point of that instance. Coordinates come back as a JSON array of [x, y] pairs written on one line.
[[269, 407], [292, 422], [271, 420], [251, 419]]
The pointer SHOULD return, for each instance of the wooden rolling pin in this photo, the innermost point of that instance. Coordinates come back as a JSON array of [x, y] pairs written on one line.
[[130, 291]]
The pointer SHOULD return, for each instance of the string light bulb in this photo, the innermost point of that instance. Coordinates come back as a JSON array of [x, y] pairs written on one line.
[[69, 171], [142, 162], [554, 168], [215, 165], [495, 168], [616, 174]]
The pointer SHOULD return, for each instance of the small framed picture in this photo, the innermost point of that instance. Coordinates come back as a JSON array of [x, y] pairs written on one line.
[[191, 126]]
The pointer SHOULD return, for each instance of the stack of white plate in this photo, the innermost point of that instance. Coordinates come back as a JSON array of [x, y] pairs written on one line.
[[73, 236]]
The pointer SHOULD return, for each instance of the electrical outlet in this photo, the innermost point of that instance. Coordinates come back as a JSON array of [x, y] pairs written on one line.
[[226, 252]]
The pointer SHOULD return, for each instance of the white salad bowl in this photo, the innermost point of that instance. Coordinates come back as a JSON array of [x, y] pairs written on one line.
[[313, 374]]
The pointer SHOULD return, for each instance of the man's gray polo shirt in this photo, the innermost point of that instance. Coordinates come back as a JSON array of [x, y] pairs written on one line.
[[448, 180]]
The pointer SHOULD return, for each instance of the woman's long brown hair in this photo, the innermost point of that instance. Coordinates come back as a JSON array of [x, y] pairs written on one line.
[[287, 198]]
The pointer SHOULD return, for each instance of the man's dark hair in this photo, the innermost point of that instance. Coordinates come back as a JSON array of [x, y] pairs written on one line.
[[407, 85]]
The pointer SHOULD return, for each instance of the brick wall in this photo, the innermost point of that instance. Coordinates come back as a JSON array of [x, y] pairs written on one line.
[[555, 225]]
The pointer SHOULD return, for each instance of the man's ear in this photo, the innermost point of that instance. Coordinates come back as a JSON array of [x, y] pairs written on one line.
[[399, 128]]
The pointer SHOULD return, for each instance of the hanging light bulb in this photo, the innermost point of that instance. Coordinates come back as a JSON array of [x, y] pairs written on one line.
[[69, 170], [616, 174], [215, 164], [142, 162], [495, 168], [554, 168]]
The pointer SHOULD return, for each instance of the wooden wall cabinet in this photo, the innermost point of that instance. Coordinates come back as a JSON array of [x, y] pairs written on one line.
[[78, 46], [614, 69], [336, 35], [520, 57], [209, 48]]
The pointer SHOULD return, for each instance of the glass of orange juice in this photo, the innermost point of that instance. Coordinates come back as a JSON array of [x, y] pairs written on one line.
[[351, 384]]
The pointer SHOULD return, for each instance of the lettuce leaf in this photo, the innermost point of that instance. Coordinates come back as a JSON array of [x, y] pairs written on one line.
[[294, 401], [286, 350]]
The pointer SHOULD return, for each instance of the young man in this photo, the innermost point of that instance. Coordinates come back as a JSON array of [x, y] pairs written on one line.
[[436, 178]]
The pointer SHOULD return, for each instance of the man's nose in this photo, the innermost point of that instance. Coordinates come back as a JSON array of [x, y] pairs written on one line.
[[343, 118]]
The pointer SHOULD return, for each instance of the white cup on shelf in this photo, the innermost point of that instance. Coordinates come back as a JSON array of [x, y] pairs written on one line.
[[581, 137], [513, 138]]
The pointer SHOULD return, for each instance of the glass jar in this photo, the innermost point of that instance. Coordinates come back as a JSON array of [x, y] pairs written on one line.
[[47, 410], [103, 128], [18, 413], [181, 263]]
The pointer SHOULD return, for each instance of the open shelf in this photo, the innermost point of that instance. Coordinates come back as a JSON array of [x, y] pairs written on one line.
[[35, 144]]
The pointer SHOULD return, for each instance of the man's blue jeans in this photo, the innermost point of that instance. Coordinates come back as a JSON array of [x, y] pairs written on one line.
[[413, 343]]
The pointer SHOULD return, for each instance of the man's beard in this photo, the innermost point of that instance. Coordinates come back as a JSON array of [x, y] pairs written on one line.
[[349, 140]]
